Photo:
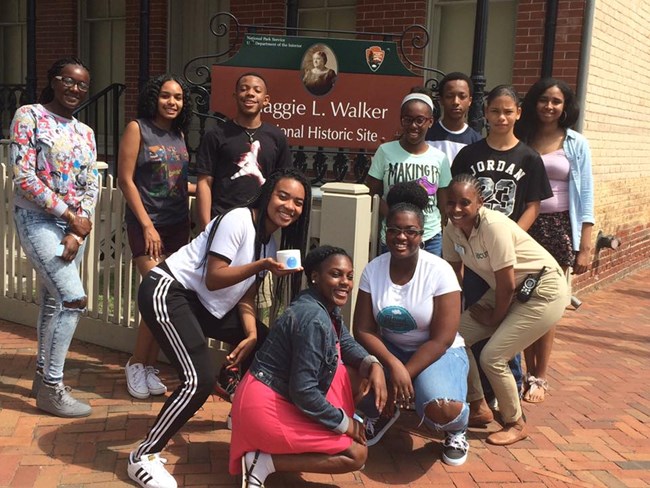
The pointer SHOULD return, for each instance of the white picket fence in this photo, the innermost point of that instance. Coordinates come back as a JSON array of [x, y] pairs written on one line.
[[109, 275]]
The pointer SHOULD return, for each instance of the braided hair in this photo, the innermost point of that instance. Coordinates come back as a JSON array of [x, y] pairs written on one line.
[[317, 256], [468, 179], [293, 236], [148, 101], [47, 95], [407, 196]]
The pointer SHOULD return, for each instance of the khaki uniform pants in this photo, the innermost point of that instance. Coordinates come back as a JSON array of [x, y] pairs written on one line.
[[524, 324]]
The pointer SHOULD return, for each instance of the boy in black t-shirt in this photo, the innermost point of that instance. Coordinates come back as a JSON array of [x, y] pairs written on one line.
[[235, 157]]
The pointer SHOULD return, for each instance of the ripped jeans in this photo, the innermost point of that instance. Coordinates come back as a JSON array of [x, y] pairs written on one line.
[[59, 282], [444, 380]]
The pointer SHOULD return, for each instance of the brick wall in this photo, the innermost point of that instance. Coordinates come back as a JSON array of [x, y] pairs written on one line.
[[56, 35], [617, 124], [157, 49], [529, 39], [393, 16]]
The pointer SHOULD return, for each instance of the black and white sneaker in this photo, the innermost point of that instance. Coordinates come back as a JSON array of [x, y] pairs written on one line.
[[227, 382], [376, 427], [455, 449], [150, 472]]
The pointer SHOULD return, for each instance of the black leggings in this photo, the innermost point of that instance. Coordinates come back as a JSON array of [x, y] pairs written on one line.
[[181, 326]]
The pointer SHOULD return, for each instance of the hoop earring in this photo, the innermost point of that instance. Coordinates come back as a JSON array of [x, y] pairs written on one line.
[[421, 244], [563, 116]]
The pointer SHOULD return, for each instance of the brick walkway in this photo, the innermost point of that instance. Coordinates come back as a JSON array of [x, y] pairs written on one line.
[[593, 430]]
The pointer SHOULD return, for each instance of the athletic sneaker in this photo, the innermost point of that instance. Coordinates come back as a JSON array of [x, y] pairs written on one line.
[[155, 386], [227, 382], [376, 427], [455, 449], [136, 380], [57, 400], [150, 472], [36, 384]]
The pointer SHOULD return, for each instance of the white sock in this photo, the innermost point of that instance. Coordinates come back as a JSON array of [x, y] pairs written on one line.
[[263, 467]]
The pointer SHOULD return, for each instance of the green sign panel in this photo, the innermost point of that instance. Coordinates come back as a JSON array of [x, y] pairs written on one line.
[[324, 92]]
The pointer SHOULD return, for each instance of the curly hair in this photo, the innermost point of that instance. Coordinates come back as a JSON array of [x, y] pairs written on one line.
[[526, 127], [47, 94], [408, 196], [148, 101], [317, 256]]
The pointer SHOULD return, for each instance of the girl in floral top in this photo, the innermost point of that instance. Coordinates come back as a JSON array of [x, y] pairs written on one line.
[[53, 157]]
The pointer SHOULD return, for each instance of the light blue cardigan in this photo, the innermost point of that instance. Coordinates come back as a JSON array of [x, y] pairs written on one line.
[[581, 184]]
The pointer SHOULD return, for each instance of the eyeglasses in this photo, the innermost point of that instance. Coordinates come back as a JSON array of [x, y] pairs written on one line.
[[69, 83], [419, 121], [409, 232]]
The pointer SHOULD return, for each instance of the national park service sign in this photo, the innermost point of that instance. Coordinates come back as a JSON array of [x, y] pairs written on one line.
[[324, 92]]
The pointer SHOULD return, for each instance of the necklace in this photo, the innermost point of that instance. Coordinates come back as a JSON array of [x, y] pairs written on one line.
[[249, 132]]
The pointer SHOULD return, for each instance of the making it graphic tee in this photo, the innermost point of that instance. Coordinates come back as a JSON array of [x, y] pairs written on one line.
[[393, 164], [509, 179]]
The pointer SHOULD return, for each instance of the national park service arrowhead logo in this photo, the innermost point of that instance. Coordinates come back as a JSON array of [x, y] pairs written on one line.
[[374, 57]]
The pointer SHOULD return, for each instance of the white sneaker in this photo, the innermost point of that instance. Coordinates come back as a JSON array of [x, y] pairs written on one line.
[[136, 380], [150, 472], [155, 386]]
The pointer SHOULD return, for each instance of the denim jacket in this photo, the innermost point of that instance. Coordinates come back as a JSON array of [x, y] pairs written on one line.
[[299, 358], [581, 184]]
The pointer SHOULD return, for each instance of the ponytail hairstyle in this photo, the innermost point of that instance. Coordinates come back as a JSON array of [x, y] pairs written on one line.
[[502, 91], [148, 101], [47, 95], [409, 196], [292, 237]]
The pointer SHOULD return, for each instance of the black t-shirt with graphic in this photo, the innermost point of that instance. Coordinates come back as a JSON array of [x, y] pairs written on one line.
[[509, 179], [237, 161]]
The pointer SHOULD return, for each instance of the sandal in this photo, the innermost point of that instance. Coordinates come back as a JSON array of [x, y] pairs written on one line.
[[537, 388], [248, 479]]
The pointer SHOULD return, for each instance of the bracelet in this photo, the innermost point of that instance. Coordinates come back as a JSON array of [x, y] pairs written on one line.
[[79, 239], [367, 362]]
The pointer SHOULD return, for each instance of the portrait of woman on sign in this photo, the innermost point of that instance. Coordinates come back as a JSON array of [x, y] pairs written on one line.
[[319, 69]]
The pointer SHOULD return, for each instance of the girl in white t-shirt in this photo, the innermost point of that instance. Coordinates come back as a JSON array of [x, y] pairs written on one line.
[[208, 289], [407, 314]]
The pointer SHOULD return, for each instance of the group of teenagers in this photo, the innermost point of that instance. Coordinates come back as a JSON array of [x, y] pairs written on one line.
[[309, 396]]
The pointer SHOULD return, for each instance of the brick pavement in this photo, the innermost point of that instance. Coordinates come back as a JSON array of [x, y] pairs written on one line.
[[593, 430]]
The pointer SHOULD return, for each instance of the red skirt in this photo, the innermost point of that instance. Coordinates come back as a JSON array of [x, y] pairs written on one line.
[[264, 420]]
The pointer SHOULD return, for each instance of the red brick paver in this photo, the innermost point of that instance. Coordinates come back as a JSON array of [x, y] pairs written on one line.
[[593, 430]]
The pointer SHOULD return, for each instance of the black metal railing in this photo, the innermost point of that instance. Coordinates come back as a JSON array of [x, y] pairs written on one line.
[[11, 97], [103, 113]]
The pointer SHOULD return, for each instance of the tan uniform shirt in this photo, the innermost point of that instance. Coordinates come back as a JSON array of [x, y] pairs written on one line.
[[497, 243]]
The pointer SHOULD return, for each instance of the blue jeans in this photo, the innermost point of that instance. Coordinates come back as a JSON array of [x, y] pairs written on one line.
[[474, 287], [444, 380], [59, 283]]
